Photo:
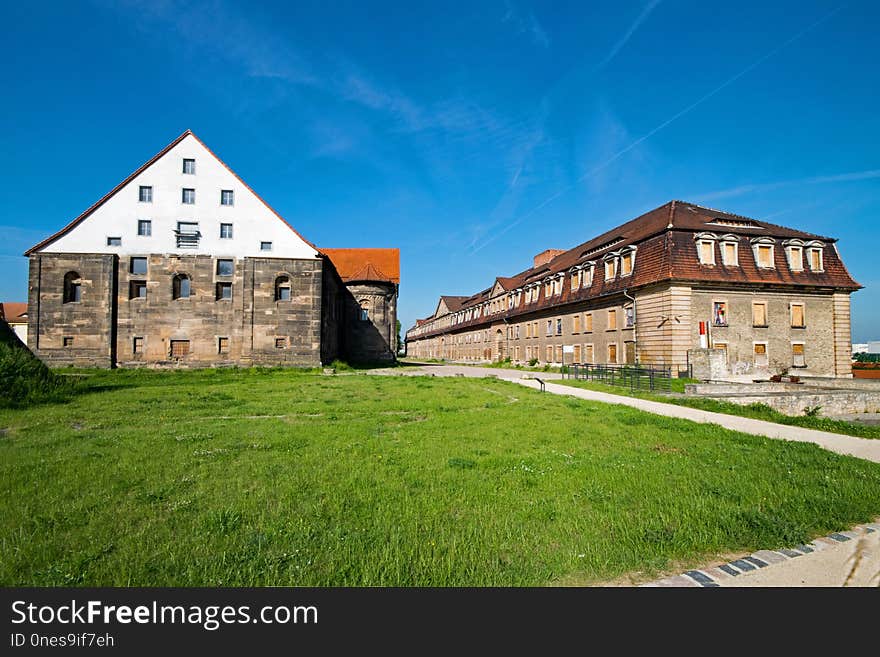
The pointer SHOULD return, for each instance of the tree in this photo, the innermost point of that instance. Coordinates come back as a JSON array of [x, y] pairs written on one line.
[[399, 341]]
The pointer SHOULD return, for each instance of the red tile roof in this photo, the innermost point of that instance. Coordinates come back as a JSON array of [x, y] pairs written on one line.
[[13, 311], [366, 264], [666, 251], [76, 222]]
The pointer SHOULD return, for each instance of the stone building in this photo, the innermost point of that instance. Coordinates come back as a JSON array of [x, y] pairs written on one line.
[[183, 263], [678, 278]]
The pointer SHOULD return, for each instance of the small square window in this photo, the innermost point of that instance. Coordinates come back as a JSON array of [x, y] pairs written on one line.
[[281, 343], [222, 345], [227, 197], [67, 341], [283, 294], [225, 231], [188, 196], [265, 246], [114, 241], [225, 268], [137, 290], [138, 266], [798, 358], [224, 291], [145, 227], [179, 348], [137, 345], [189, 166], [145, 194]]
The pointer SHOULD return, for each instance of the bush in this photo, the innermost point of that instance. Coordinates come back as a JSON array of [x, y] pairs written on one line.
[[24, 379], [533, 362]]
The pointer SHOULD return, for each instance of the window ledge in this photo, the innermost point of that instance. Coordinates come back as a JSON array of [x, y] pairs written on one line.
[[799, 327], [760, 326], [720, 325]]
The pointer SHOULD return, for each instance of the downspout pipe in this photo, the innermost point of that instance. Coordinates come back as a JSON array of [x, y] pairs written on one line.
[[635, 325]]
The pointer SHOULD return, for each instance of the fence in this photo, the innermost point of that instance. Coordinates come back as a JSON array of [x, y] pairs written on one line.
[[630, 376]]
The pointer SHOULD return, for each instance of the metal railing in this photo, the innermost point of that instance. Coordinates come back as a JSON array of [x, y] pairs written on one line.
[[634, 377]]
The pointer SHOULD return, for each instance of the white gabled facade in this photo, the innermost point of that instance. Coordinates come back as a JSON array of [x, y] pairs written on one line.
[[118, 215]]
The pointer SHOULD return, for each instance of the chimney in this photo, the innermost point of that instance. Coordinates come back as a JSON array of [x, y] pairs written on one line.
[[546, 256]]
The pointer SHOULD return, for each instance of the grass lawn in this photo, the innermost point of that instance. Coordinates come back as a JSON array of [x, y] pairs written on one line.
[[272, 477], [755, 411]]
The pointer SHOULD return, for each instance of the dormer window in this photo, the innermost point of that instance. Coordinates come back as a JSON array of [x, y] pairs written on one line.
[[627, 261], [730, 251], [587, 274], [576, 279], [706, 248], [610, 268], [815, 256], [795, 258], [763, 250]]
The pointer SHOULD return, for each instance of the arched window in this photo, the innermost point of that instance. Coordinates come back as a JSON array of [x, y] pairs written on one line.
[[181, 286], [72, 287], [364, 315], [282, 288]]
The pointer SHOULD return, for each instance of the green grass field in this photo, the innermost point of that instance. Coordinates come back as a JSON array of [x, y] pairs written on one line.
[[271, 477]]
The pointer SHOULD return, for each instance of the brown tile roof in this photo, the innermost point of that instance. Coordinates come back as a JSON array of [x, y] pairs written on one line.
[[666, 250], [366, 264], [453, 303], [76, 222], [13, 311]]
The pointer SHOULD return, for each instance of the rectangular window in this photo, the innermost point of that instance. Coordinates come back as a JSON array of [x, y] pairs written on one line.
[[723, 347], [612, 353], [559, 326], [549, 354], [516, 353], [588, 323], [225, 268], [797, 355], [759, 314], [145, 194], [588, 353], [796, 258], [137, 290], [549, 327], [765, 256], [577, 353], [719, 313], [284, 293], [612, 320], [707, 252], [67, 341], [729, 254], [145, 227], [626, 264], [189, 166], [137, 345], [629, 317], [575, 280], [226, 197], [189, 196], [138, 266], [224, 291], [610, 269], [761, 359], [280, 343], [798, 318], [558, 354], [114, 241], [222, 345], [179, 348], [816, 259], [535, 330], [576, 324], [516, 332], [225, 231], [265, 246]]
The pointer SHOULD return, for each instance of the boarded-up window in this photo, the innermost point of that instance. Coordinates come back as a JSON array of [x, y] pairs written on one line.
[[549, 355], [516, 352], [765, 255], [761, 354], [588, 353], [610, 268], [723, 347], [728, 251], [612, 353], [558, 353], [576, 324], [577, 353], [137, 345], [179, 348], [222, 345], [626, 264], [612, 319], [798, 320], [588, 322], [575, 280], [707, 252], [816, 259], [797, 355], [796, 258], [759, 314]]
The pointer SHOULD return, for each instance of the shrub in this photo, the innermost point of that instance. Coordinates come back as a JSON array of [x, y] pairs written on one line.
[[24, 379], [533, 362]]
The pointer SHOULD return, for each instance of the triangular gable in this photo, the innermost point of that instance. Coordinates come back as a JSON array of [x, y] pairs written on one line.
[[117, 213]]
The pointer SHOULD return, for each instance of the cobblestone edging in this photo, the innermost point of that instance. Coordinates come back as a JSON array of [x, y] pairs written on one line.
[[710, 577]]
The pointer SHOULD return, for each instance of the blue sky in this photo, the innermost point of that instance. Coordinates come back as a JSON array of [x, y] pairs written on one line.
[[471, 135]]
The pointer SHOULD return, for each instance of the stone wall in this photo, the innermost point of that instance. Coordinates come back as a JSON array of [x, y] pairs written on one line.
[[373, 339], [708, 364]]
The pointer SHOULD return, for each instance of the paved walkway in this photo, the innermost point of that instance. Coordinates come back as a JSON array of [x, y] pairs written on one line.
[[864, 448]]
